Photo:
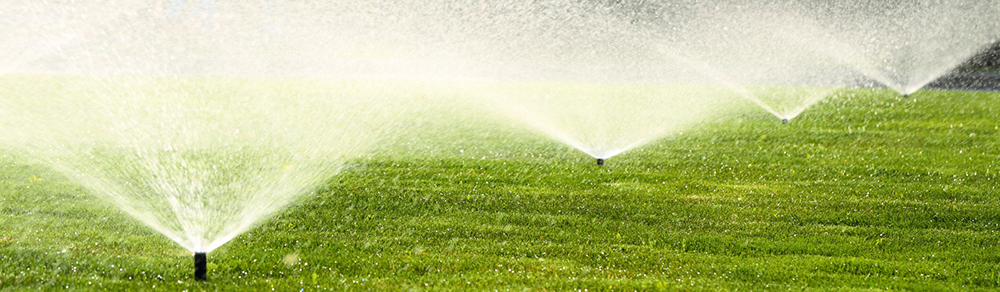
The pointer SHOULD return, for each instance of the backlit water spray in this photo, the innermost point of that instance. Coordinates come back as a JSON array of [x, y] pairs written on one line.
[[198, 159], [772, 53], [588, 76], [199, 121], [200, 118], [907, 44]]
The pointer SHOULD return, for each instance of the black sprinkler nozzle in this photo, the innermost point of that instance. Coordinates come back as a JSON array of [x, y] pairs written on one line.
[[784, 121], [200, 261], [600, 161]]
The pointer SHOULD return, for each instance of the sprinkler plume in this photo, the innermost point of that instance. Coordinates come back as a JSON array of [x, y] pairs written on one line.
[[200, 260], [600, 161]]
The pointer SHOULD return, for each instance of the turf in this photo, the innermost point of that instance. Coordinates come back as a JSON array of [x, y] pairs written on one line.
[[867, 190]]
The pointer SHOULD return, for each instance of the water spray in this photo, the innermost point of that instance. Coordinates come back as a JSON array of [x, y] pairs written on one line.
[[600, 161], [200, 261]]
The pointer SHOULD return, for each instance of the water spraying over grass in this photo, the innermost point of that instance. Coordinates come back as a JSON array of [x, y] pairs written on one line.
[[199, 159], [200, 118], [604, 120], [906, 44]]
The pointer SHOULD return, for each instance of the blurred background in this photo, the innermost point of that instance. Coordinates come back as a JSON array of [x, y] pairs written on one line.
[[988, 60]]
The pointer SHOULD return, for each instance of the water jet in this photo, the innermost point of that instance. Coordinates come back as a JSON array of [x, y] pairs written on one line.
[[771, 54], [196, 166], [905, 45], [197, 139]]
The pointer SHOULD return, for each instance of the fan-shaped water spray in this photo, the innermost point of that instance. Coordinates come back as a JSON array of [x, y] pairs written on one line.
[[584, 75], [771, 53], [198, 159], [604, 120], [178, 115], [907, 44]]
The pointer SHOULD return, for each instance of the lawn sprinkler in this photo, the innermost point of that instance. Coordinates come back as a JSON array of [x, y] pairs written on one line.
[[600, 161], [784, 121], [200, 261]]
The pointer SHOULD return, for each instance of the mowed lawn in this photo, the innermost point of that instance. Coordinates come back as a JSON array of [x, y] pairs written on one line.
[[866, 190]]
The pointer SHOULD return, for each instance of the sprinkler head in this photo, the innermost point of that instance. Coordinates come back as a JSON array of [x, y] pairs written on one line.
[[200, 260], [906, 95], [784, 121], [600, 161]]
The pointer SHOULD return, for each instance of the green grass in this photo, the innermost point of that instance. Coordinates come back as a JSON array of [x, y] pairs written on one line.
[[864, 191]]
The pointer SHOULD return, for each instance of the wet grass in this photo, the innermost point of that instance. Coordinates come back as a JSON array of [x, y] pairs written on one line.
[[864, 191]]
